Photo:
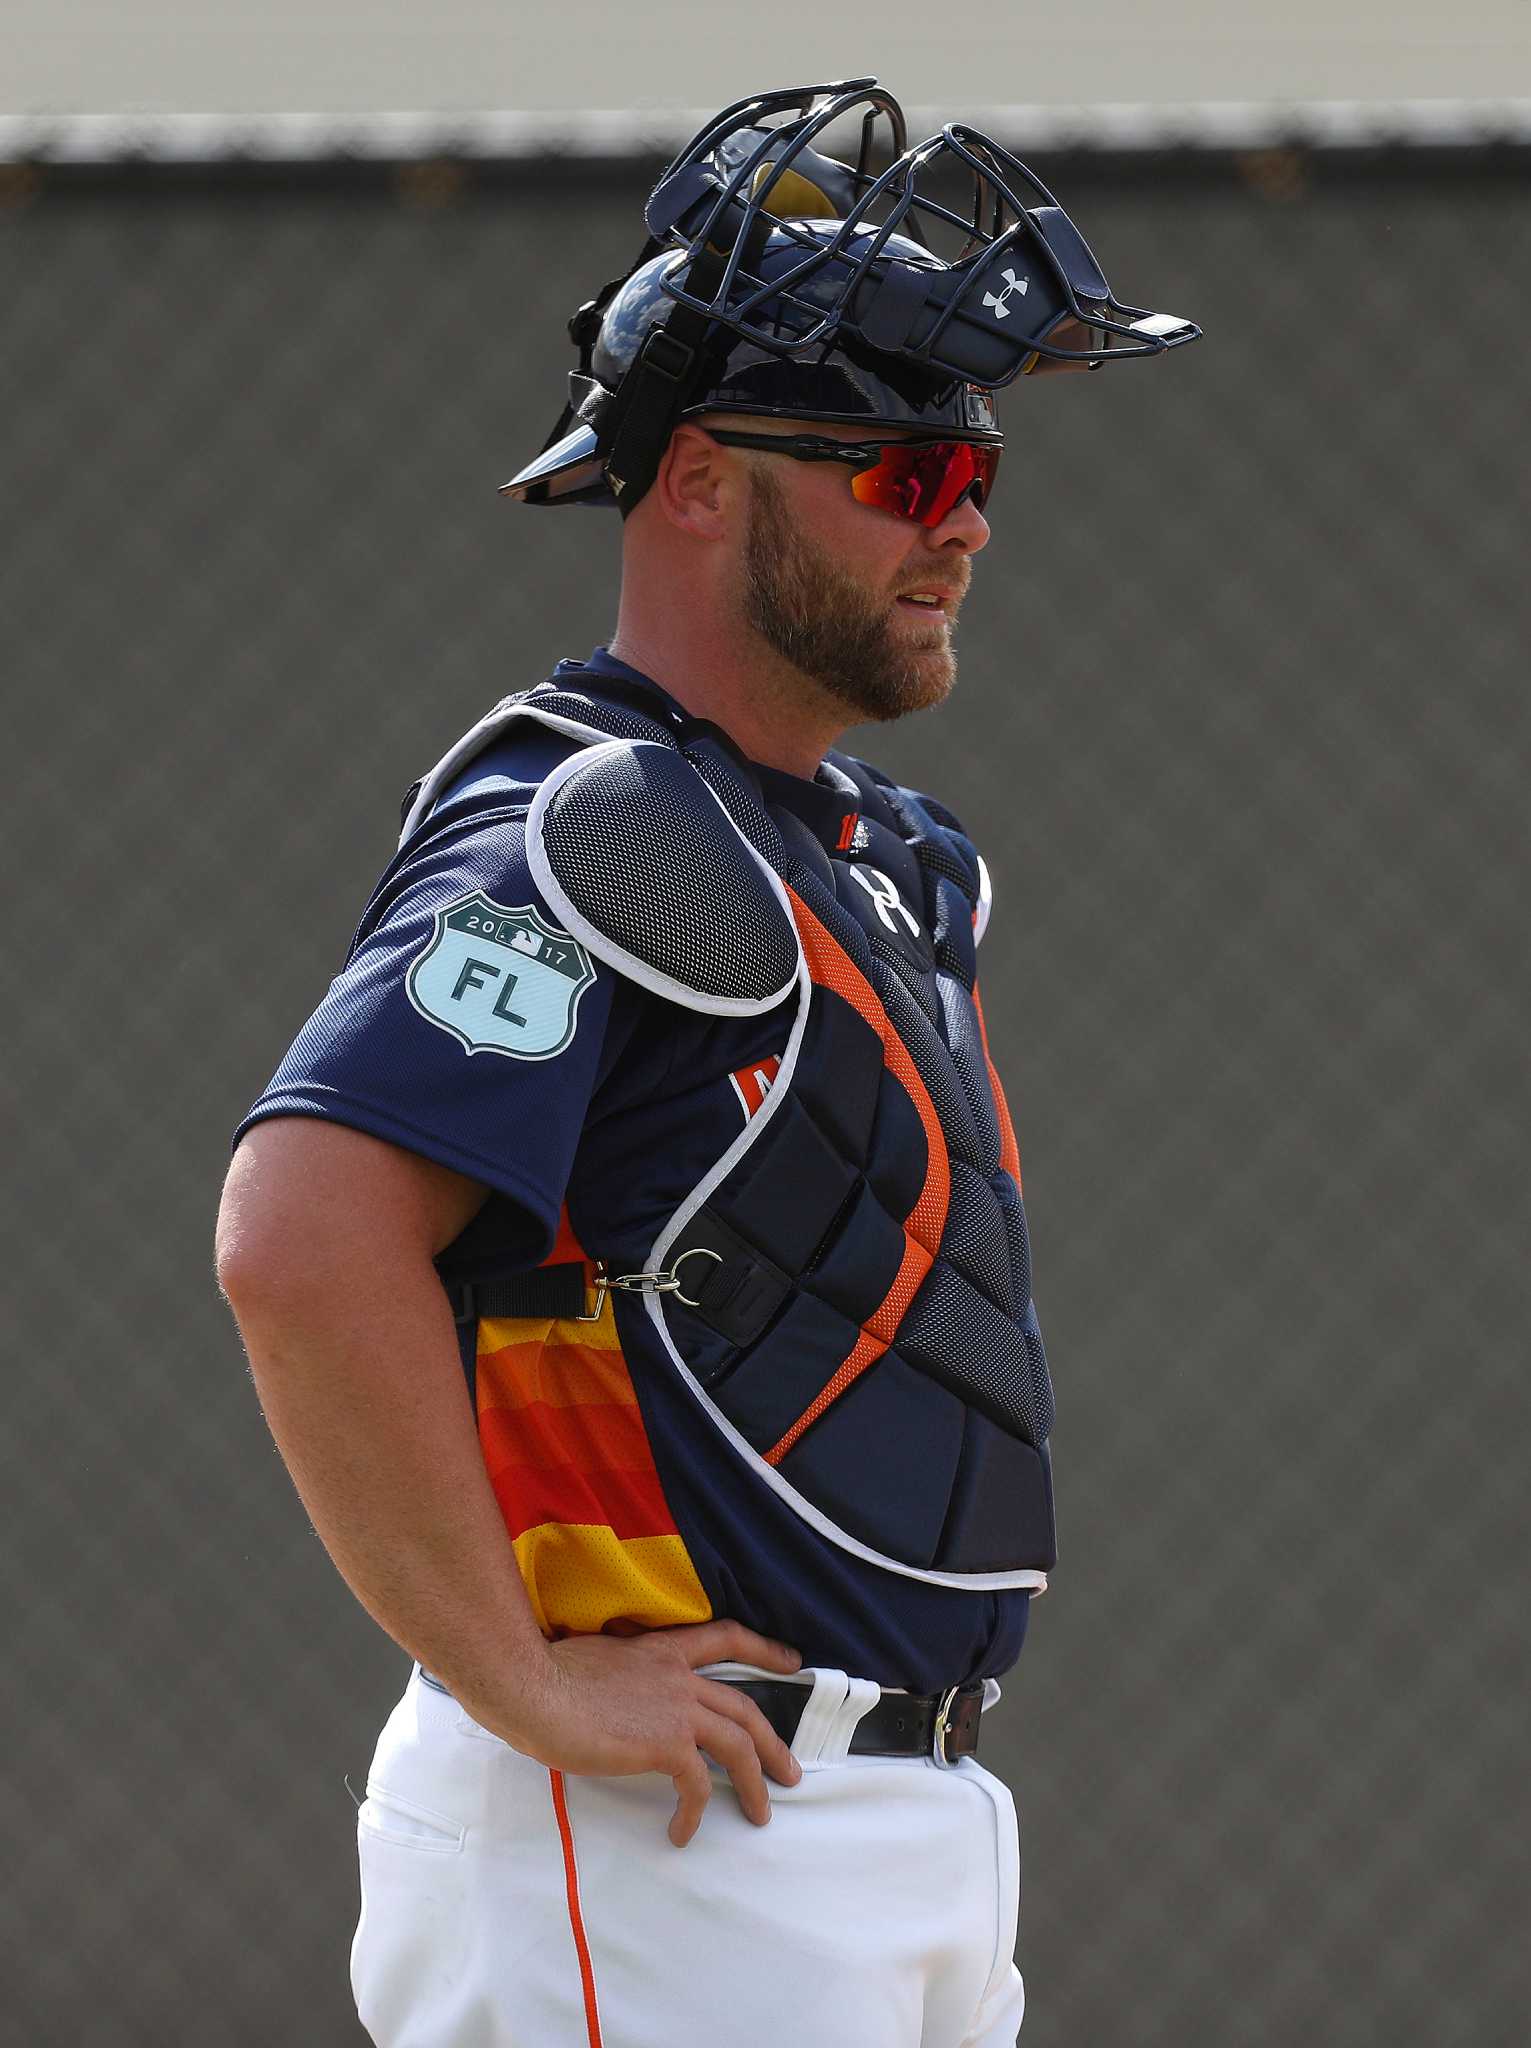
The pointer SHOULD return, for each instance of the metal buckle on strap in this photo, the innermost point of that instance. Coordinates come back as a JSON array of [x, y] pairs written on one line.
[[646, 1283], [598, 1271], [942, 1727]]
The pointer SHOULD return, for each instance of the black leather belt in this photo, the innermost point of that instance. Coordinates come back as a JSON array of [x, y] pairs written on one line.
[[941, 1725]]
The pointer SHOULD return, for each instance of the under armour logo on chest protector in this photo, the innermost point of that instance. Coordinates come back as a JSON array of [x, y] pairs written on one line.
[[886, 900]]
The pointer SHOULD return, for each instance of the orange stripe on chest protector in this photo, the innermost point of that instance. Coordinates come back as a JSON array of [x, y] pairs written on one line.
[[1009, 1151], [832, 967]]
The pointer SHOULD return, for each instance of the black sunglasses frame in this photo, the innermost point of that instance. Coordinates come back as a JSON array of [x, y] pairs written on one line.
[[860, 455], [818, 448]]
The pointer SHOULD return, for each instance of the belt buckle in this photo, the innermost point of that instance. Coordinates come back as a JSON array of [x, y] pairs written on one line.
[[942, 1727]]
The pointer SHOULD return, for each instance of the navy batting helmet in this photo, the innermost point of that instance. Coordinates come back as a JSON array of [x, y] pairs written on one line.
[[779, 281]]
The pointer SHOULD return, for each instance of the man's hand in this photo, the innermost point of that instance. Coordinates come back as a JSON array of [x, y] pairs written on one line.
[[326, 1240], [612, 1706]]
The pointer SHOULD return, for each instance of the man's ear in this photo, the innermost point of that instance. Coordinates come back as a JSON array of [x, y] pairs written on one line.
[[698, 482]]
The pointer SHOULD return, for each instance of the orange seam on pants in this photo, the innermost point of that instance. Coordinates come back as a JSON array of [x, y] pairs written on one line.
[[1009, 1151], [832, 967], [576, 1917]]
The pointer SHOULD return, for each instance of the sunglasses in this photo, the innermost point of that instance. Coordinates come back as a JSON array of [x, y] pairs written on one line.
[[921, 480]]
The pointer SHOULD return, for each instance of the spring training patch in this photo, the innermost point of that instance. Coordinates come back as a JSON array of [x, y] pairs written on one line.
[[500, 978]]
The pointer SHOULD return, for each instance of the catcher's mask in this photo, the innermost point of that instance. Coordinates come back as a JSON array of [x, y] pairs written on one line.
[[780, 281]]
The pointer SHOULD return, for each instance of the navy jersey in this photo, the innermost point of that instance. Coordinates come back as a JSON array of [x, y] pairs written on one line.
[[468, 1027]]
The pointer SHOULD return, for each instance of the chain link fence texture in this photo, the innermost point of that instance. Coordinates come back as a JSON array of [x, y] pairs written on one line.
[[1242, 728]]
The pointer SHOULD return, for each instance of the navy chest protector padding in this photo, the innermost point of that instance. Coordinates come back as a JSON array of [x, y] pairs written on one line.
[[856, 1310]]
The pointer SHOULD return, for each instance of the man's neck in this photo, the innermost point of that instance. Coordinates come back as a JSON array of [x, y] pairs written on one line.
[[770, 710]]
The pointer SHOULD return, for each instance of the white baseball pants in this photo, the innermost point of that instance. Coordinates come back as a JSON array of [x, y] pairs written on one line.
[[508, 1906]]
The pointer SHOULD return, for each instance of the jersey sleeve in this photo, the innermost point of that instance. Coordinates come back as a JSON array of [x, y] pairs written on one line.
[[465, 1025]]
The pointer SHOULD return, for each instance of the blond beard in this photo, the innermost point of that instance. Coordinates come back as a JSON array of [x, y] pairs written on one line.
[[830, 627]]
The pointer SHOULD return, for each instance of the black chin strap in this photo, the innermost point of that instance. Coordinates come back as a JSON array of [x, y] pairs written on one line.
[[677, 361], [669, 369]]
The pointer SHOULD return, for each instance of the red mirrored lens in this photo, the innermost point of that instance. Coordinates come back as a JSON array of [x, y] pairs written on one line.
[[923, 480]]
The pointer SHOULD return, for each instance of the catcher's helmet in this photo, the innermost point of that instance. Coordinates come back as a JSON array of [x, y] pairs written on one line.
[[779, 281]]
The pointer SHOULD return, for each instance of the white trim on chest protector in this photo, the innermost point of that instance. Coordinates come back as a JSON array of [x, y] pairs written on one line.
[[473, 742]]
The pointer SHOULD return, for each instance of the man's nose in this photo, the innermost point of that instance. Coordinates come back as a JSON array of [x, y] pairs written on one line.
[[963, 527]]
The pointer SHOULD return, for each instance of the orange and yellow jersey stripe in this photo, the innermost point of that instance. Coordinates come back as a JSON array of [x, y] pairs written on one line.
[[569, 1459]]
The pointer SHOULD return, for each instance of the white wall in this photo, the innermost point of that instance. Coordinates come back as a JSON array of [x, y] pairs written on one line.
[[161, 56]]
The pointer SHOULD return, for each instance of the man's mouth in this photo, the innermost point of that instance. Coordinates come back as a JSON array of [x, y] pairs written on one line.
[[926, 600]]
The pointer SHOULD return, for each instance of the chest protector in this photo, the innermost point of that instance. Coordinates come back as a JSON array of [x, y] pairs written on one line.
[[847, 1290]]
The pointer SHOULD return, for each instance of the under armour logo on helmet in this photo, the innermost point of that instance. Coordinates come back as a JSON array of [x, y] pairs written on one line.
[[995, 301]]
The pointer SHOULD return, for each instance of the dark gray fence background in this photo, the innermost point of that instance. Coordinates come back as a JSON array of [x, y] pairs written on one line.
[[1242, 727]]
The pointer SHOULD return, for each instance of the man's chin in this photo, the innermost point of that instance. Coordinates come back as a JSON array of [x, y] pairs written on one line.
[[912, 679]]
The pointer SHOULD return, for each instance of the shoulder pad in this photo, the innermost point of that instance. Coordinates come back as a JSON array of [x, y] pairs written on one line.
[[643, 864], [971, 873]]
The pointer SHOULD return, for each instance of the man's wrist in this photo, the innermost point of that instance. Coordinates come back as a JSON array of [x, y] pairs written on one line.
[[509, 1699]]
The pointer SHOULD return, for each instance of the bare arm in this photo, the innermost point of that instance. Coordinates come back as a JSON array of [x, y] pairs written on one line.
[[325, 1242]]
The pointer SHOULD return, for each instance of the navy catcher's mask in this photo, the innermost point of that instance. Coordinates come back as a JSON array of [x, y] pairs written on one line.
[[782, 282]]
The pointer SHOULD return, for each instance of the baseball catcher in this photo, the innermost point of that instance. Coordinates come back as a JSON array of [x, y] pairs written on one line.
[[630, 1249]]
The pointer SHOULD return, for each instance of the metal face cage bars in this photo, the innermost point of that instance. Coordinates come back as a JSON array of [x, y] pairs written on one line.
[[716, 201]]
